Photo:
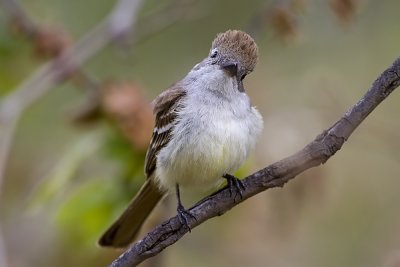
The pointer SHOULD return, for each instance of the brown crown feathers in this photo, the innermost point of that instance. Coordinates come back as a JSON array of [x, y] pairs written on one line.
[[239, 46]]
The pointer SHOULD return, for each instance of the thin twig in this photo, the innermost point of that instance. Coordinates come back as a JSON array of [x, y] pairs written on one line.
[[13, 8], [314, 154], [161, 19]]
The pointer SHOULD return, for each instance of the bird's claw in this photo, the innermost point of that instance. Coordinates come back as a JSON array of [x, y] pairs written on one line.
[[185, 216], [235, 183]]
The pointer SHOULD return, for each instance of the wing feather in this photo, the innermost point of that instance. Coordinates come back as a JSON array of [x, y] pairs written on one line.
[[166, 107]]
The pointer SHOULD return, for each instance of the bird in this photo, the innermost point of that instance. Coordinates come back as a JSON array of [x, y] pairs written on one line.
[[205, 127]]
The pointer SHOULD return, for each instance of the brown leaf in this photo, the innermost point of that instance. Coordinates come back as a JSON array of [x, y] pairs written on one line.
[[126, 104], [284, 22], [50, 42], [345, 10], [87, 113]]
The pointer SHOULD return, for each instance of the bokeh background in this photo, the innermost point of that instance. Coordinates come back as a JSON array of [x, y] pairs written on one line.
[[77, 154]]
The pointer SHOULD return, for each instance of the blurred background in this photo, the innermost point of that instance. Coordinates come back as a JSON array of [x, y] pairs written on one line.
[[74, 132]]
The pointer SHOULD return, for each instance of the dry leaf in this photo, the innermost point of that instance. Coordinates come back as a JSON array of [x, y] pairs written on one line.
[[284, 22], [50, 42], [126, 105], [345, 10]]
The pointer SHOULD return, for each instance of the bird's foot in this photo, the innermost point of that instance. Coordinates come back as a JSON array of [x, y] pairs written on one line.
[[234, 184], [185, 216]]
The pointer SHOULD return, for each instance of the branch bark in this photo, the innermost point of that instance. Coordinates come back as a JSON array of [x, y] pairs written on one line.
[[313, 154]]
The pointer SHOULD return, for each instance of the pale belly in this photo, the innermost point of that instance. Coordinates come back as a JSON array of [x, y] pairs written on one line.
[[199, 158], [202, 163]]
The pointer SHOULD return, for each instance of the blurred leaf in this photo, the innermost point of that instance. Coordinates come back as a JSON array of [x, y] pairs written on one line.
[[284, 20], [345, 10], [65, 169], [49, 42], [129, 160], [125, 103], [88, 211]]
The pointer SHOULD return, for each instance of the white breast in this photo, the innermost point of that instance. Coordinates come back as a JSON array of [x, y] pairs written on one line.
[[213, 136]]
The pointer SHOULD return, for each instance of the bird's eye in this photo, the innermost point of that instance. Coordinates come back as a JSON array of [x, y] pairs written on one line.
[[243, 76], [214, 54]]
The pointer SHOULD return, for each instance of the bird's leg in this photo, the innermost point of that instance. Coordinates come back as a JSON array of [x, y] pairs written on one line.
[[234, 183], [184, 215]]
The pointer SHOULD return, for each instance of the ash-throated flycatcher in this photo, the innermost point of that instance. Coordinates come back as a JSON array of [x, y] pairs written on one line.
[[205, 128]]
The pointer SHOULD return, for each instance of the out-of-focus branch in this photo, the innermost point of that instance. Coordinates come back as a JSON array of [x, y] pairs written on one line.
[[159, 20], [119, 22], [314, 154], [16, 13]]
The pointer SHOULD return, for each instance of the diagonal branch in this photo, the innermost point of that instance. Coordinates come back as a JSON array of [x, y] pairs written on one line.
[[314, 154]]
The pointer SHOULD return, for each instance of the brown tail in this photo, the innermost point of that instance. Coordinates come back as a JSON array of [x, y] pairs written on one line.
[[123, 231]]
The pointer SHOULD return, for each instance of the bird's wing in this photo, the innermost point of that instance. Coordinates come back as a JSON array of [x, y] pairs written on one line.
[[166, 107]]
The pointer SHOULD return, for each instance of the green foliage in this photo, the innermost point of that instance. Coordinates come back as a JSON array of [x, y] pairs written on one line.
[[62, 174], [88, 210], [86, 202], [129, 160]]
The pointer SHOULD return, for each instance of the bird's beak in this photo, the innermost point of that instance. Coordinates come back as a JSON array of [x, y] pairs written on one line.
[[230, 67], [240, 84]]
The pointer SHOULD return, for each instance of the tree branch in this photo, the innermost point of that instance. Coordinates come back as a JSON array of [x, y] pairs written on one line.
[[315, 153]]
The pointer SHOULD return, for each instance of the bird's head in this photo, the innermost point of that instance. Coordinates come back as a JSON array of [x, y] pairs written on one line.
[[236, 52]]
